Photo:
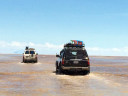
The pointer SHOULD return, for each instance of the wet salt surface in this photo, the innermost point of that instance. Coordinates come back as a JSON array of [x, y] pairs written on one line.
[[110, 70], [40, 79], [115, 60]]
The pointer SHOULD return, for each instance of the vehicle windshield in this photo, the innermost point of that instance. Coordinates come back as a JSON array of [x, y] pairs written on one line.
[[27, 52], [32, 52], [76, 54]]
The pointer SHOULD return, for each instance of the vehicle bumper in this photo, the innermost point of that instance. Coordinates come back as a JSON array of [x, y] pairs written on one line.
[[76, 68], [30, 59]]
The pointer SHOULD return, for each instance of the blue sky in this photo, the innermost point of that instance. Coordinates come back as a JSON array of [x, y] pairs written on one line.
[[100, 24]]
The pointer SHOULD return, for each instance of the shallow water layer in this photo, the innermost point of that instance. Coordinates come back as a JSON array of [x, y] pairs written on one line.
[[108, 77]]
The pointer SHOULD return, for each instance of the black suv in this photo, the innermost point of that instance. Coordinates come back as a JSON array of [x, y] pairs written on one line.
[[73, 57]]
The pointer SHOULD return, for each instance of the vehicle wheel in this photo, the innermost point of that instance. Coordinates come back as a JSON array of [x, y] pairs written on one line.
[[23, 60], [60, 70], [57, 67], [36, 60], [57, 71], [86, 72]]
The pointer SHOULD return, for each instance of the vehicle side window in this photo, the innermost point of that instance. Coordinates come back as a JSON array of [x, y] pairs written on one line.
[[86, 54], [64, 55], [61, 55]]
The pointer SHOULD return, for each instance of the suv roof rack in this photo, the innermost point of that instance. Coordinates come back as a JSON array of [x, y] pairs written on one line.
[[27, 48]]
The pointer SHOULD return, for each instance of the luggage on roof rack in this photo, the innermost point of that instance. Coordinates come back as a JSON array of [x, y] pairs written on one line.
[[75, 43], [26, 48], [31, 49]]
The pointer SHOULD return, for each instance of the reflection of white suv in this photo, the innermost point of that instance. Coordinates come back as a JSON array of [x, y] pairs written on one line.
[[30, 55]]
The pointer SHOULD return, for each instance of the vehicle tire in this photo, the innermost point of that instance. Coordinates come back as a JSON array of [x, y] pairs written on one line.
[[36, 61], [23, 60], [57, 67], [86, 72], [60, 71]]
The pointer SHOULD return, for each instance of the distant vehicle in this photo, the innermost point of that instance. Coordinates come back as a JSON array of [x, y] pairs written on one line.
[[73, 57], [30, 55]]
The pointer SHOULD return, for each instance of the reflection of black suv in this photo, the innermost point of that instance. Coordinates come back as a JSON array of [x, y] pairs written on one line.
[[73, 58]]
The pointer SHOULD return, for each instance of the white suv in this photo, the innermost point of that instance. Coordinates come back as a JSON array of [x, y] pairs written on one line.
[[30, 55]]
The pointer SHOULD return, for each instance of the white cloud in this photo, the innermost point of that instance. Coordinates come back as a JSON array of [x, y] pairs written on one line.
[[108, 51], [48, 48], [116, 49], [125, 49], [17, 47]]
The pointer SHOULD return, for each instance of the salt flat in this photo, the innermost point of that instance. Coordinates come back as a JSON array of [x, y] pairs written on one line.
[[108, 77]]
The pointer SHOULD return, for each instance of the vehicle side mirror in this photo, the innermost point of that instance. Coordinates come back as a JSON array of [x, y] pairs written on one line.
[[57, 55]]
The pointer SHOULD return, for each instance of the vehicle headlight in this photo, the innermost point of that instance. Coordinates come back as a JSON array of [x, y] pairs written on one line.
[[86, 57]]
